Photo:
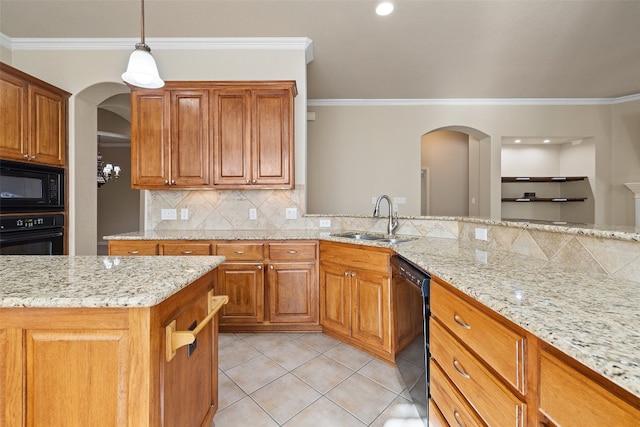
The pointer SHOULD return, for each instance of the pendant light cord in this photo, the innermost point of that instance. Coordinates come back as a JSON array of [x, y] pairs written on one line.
[[142, 44]]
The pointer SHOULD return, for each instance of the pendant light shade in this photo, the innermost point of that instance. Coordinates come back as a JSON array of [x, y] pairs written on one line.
[[142, 70]]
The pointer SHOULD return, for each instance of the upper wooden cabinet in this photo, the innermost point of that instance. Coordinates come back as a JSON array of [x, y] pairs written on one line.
[[33, 119], [213, 135]]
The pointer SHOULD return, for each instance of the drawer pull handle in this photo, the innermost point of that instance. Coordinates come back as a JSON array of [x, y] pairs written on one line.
[[292, 252], [460, 370], [133, 252], [461, 322], [176, 339], [187, 252], [456, 416], [239, 252]]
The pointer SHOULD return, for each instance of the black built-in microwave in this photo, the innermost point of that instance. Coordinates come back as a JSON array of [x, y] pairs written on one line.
[[26, 187]]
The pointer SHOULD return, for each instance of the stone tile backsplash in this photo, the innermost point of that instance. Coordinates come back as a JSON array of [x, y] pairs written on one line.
[[229, 210]]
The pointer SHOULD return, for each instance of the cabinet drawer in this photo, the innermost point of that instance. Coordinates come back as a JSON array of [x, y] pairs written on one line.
[[136, 247], [569, 398], [488, 395], [292, 251], [498, 345], [240, 251], [176, 248], [452, 405], [370, 258]]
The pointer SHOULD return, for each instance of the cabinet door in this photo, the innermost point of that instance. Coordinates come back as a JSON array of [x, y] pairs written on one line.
[[231, 137], [243, 283], [150, 157], [63, 391], [370, 309], [335, 298], [293, 295], [11, 367], [187, 390], [272, 137], [13, 116], [190, 160], [48, 124]]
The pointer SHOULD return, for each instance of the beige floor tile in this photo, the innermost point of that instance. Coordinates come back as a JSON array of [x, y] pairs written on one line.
[[349, 356], [267, 341], [400, 412], [361, 397], [324, 413], [292, 354], [235, 353], [285, 397], [384, 374], [323, 373], [319, 341], [228, 391], [255, 373], [245, 412]]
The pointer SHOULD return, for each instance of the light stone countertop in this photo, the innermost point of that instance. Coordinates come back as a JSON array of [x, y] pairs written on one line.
[[97, 281], [592, 318]]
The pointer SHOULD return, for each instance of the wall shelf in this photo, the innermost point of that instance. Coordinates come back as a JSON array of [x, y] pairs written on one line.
[[544, 199], [542, 178]]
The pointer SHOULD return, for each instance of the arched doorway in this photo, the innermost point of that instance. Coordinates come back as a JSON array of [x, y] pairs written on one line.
[[455, 172], [83, 151]]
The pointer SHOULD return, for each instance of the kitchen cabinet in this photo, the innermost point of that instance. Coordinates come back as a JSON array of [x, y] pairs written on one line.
[[159, 247], [253, 136], [355, 300], [115, 369], [33, 114], [481, 356], [570, 394], [292, 282], [216, 135], [169, 139]]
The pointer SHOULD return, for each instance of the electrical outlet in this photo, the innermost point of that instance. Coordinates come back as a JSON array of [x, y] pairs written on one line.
[[168, 214], [399, 200], [253, 213], [482, 256], [325, 223], [184, 214], [481, 234], [291, 213]]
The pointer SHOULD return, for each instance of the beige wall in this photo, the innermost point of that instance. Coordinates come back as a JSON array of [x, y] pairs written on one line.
[[359, 151]]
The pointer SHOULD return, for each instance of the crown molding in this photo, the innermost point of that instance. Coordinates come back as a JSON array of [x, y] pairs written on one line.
[[469, 102], [160, 43]]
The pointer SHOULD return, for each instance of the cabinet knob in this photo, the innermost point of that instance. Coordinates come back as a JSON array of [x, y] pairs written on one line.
[[353, 274], [271, 267], [259, 267], [346, 273], [26, 156], [255, 181], [166, 182], [33, 157], [173, 182], [248, 182]]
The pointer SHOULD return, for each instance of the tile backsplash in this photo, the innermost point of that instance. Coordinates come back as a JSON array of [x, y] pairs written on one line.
[[229, 210]]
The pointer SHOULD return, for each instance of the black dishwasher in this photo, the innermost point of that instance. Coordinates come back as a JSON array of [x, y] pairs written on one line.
[[415, 357]]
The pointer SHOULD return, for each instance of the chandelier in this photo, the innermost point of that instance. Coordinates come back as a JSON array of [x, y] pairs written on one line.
[[106, 172]]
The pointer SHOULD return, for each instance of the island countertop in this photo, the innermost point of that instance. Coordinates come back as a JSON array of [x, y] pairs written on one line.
[[97, 281]]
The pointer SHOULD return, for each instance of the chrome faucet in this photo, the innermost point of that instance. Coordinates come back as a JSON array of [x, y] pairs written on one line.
[[393, 217]]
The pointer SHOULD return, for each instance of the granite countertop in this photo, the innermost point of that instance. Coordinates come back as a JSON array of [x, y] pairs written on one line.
[[591, 317], [97, 281]]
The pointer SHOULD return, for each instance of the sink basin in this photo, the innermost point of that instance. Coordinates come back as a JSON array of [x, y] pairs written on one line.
[[378, 238], [359, 236]]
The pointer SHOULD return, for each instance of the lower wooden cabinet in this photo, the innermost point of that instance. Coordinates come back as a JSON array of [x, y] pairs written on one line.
[[572, 396], [355, 296], [78, 367]]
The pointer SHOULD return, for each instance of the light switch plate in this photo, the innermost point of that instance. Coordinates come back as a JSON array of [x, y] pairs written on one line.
[[481, 234], [253, 213], [184, 214], [168, 214], [325, 223]]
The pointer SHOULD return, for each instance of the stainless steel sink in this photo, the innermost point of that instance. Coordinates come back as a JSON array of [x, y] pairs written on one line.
[[375, 237]]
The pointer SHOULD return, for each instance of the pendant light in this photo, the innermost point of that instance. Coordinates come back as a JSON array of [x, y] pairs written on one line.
[[142, 70]]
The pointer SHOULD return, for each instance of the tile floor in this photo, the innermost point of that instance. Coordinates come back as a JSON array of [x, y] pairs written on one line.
[[309, 379]]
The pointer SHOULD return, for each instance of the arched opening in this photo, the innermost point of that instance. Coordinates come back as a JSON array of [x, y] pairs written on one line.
[[83, 151], [455, 172]]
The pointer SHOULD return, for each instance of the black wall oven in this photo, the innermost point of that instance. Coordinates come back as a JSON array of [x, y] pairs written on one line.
[[41, 234], [28, 187]]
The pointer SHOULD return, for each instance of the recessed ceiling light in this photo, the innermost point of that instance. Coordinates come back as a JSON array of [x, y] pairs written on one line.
[[517, 141], [546, 141], [384, 9]]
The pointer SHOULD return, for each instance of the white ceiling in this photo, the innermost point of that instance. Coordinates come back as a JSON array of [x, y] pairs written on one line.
[[426, 49]]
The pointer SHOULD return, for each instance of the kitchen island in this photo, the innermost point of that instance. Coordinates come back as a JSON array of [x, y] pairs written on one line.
[[100, 341]]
